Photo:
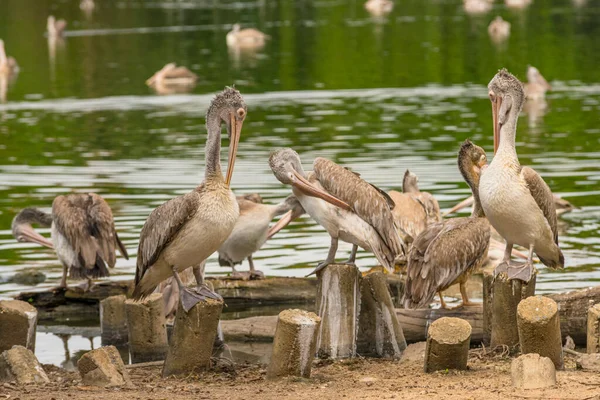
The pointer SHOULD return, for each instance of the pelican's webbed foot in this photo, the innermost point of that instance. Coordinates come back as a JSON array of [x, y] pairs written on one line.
[[320, 267], [523, 272], [501, 268], [191, 297]]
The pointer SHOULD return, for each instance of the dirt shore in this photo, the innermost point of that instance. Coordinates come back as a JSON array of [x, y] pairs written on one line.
[[488, 377]]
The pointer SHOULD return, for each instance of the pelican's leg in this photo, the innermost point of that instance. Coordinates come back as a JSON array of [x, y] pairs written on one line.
[[352, 259], [503, 266], [63, 280], [188, 297], [330, 256], [254, 274], [442, 302], [90, 283], [202, 288], [523, 271], [465, 297]]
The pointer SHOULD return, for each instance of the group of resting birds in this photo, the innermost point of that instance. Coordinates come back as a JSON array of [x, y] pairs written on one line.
[[396, 227]]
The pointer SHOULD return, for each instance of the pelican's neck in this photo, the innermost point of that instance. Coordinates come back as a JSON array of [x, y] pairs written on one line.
[[477, 209], [29, 216], [212, 154], [508, 132]]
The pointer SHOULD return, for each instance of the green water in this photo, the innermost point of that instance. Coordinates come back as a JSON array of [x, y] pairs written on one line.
[[378, 95]]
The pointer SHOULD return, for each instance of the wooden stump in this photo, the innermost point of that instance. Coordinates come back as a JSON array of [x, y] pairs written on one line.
[[448, 342], [18, 323], [113, 321], [506, 295], [295, 344], [593, 329], [338, 304], [147, 329], [488, 285], [379, 332], [539, 328], [193, 337]]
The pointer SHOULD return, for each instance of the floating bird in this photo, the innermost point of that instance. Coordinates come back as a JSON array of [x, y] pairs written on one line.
[[55, 28], [499, 29], [172, 79], [413, 210], [536, 86], [184, 231], [378, 8], [249, 38], [83, 234], [448, 252], [251, 231], [477, 6], [517, 3], [327, 193], [8, 65], [516, 200]]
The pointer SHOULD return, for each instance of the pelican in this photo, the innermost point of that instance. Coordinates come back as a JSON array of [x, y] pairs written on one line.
[[172, 79], [249, 38], [499, 29], [55, 27], [516, 200], [83, 234], [413, 209], [327, 193], [477, 6], [536, 86], [185, 230], [379, 8], [447, 252], [87, 6], [251, 231], [517, 3], [561, 205], [8, 65]]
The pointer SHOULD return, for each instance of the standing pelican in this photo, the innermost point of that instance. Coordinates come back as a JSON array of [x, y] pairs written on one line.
[[448, 252], [516, 200], [184, 231], [367, 223], [83, 234], [55, 28], [251, 231], [537, 85], [248, 38]]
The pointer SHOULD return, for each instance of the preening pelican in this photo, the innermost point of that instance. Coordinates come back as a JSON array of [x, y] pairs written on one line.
[[251, 230], [448, 252], [83, 234], [248, 38], [184, 231], [516, 200], [348, 207], [537, 85]]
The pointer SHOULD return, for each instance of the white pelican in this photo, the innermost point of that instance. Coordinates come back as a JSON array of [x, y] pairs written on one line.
[[83, 234], [185, 230], [516, 200], [448, 252], [348, 207], [537, 85]]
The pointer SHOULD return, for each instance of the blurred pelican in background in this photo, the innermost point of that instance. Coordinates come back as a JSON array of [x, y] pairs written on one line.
[[379, 8], [477, 6], [537, 85], [499, 29], [172, 79], [55, 28]]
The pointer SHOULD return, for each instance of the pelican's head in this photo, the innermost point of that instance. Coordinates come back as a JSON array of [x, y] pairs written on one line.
[[507, 96], [471, 160], [410, 183], [286, 166], [236, 27], [229, 107], [534, 76], [22, 230]]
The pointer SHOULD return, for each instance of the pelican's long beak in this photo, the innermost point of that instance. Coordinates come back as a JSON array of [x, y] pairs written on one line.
[[465, 203], [307, 188], [496, 118], [236, 131], [282, 223], [28, 234]]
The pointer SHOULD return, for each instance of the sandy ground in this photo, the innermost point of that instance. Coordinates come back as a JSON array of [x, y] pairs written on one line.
[[488, 377]]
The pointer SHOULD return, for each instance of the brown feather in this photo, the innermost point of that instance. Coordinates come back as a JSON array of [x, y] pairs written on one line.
[[542, 195]]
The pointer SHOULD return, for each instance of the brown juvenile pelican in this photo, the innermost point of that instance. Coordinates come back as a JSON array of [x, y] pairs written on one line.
[[251, 230], [499, 29], [378, 8], [353, 210], [447, 252], [172, 79], [8, 65], [55, 28], [83, 234], [516, 200], [184, 231], [249, 38], [536, 86]]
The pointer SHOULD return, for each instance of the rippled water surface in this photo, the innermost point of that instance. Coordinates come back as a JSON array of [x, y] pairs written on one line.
[[376, 94]]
